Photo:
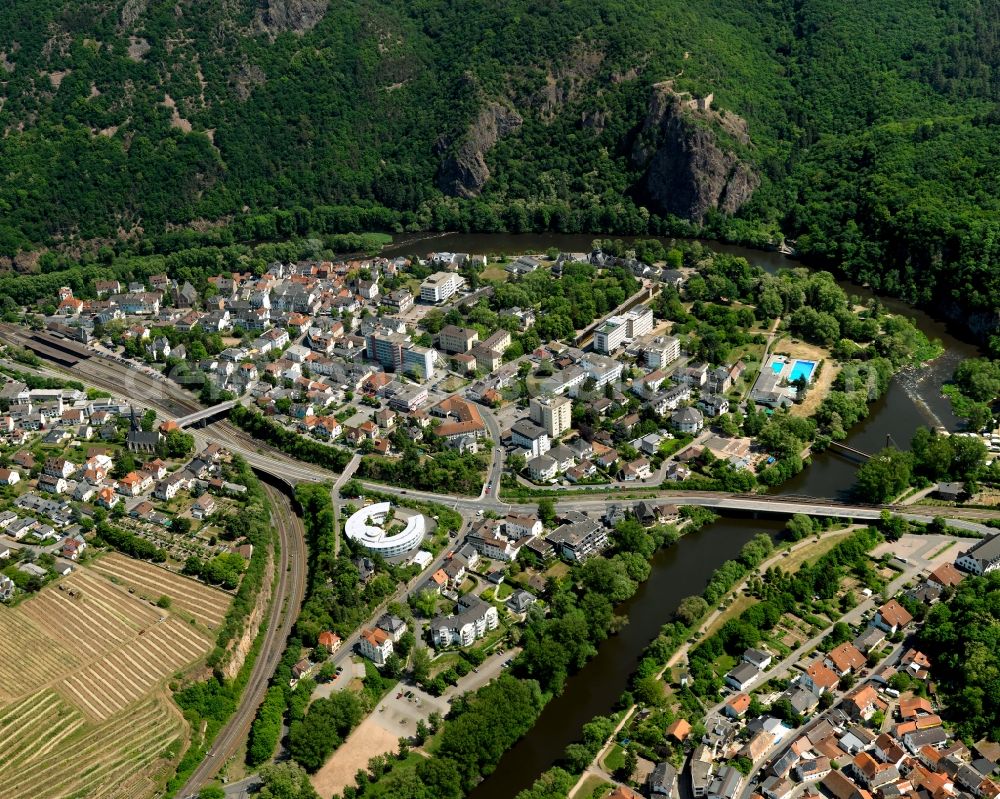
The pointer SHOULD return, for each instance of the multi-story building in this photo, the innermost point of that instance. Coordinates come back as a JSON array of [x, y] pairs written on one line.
[[553, 414], [440, 286], [376, 645], [542, 467], [499, 341], [611, 335], [526, 434], [522, 525], [402, 300], [420, 360], [579, 538], [488, 360], [601, 369], [461, 418], [387, 348], [488, 542], [474, 618], [457, 339], [638, 322], [983, 558], [662, 351]]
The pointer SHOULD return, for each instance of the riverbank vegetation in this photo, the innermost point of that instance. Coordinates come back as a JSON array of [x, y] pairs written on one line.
[[715, 313], [814, 593], [973, 391], [933, 457], [775, 594]]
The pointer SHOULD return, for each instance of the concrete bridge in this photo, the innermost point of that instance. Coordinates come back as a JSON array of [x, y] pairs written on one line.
[[205, 414]]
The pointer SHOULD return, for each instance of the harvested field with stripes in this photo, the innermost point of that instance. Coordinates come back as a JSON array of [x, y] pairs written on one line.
[[83, 706], [23, 672], [206, 605], [53, 753]]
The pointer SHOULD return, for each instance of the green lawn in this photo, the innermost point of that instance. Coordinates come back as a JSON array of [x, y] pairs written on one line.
[[614, 759], [723, 664], [593, 787], [495, 271], [671, 445]]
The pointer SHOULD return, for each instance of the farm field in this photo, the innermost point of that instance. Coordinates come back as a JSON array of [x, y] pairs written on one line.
[[84, 709], [206, 605]]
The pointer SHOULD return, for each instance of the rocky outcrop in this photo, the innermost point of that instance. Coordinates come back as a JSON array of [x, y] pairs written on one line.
[[688, 171], [278, 16], [566, 80], [463, 171], [239, 648]]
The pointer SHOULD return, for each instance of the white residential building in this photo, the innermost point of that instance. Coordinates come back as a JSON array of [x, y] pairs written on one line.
[[522, 525], [420, 360], [554, 415], [638, 322], [440, 286], [611, 335], [529, 436], [663, 351], [376, 645], [9, 477], [982, 558], [474, 619]]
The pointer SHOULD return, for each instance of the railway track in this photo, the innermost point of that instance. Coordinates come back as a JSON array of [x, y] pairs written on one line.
[[285, 604]]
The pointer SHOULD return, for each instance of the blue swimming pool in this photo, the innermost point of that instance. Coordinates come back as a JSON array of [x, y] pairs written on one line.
[[802, 369], [777, 366]]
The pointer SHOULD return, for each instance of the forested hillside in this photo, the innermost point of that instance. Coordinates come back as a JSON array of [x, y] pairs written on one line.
[[869, 132]]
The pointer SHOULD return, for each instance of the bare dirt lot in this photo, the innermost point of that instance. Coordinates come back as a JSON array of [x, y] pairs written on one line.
[[368, 740], [394, 717]]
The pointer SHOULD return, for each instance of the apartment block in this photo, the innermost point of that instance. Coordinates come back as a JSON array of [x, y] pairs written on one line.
[[440, 286], [553, 414]]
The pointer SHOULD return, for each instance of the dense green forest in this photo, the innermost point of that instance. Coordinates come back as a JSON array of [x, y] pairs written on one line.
[[960, 637], [873, 129]]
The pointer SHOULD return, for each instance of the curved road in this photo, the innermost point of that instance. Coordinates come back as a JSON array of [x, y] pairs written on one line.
[[284, 610]]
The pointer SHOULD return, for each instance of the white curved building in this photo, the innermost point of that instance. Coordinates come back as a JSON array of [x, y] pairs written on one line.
[[365, 527]]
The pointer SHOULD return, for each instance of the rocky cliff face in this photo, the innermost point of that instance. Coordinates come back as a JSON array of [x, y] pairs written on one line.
[[278, 16], [687, 171], [240, 648], [463, 171]]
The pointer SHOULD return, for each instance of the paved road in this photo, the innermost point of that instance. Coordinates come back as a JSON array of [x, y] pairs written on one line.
[[284, 611], [491, 488], [170, 398]]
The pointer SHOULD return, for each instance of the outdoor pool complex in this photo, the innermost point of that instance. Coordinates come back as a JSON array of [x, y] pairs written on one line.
[[365, 527], [803, 369]]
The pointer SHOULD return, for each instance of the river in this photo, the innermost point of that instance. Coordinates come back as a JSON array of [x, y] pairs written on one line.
[[677, 571], [914, 399]]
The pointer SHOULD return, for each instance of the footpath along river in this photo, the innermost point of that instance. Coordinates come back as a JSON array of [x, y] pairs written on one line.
[[913, 399]]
